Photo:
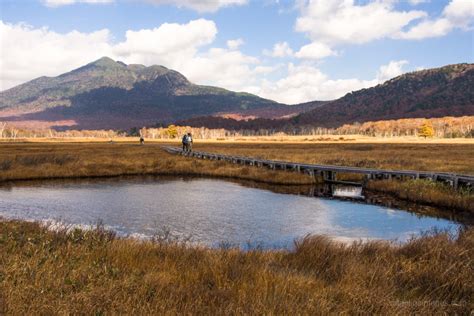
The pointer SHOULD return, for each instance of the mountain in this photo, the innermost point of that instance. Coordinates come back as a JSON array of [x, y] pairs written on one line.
[[438, 92], [110, 94]]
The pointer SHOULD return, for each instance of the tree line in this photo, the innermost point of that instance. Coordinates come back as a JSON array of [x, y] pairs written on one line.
[[445, 127]]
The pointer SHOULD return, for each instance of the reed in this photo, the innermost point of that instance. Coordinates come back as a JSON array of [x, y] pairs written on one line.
[[94, 272], [427, 192], [30, 161], [401, 156]]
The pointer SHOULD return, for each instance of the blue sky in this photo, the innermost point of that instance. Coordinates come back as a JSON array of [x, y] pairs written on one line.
[[290, 51]]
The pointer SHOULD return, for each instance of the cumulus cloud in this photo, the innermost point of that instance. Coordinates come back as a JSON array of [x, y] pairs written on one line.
[[457, 14], [417, 2], [58, 3], [34, 52], [315, 51], [235, 44], [221, 67], [391, 70], [169, 44], [344, 22], [305, 83], [280, 49]]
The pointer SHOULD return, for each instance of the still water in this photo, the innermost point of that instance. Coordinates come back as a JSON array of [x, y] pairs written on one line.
[[210, 212]]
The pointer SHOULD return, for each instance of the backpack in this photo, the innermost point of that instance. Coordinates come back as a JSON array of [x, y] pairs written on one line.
[[185, 139]]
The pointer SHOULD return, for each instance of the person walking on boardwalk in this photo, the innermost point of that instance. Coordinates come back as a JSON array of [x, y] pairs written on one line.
[[185, 143], [189, 142]]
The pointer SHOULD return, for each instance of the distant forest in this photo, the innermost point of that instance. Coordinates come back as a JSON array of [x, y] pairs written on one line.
[[445, 127]]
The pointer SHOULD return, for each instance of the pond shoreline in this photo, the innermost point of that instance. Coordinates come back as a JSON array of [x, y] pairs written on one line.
[[156, 202], [462, 214]]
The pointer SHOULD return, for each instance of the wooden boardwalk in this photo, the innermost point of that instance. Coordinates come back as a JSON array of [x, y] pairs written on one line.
[[329, 173]]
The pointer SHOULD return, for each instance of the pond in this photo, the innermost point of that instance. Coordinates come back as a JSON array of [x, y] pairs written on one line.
[[211, 212]]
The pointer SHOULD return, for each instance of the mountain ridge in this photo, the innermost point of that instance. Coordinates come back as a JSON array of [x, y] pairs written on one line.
[[111, 94], [435, 92]]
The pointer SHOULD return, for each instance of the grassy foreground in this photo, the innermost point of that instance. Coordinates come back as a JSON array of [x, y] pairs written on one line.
[[92, 272]]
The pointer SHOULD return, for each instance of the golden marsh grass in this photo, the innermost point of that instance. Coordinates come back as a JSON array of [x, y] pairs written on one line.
[[91, 272]]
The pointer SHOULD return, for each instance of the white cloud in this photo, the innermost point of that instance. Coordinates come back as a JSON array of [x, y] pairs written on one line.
[[342, 21], [200, 5], [417, 2], [58, 3], [235, 44], [170, 44], [427, 29], [315, 51], [391, 70], [34, 52], [457, 14], [460, 13], [280, 49], [226, 68], [306, 83]]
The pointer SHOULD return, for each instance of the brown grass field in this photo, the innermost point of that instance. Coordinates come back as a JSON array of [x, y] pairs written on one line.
[[457, 158], [70, 160], [92, 272]]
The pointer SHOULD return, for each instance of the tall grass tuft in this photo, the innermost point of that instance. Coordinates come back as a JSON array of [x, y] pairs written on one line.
[[428, 192], [94, 272]]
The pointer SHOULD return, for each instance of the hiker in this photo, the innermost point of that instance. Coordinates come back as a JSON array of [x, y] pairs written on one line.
[[185, 143], [189, 142]]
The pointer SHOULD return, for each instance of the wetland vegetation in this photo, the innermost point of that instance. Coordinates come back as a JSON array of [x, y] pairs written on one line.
[[44, 270]]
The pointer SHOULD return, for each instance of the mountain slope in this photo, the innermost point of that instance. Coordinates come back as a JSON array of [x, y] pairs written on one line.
[[110, 94], [428, 93]]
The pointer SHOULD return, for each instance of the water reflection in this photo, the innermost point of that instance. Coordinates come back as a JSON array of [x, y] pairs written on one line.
[[211, 212]]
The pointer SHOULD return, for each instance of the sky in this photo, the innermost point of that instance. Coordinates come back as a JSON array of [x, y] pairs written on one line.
[[291, 51]]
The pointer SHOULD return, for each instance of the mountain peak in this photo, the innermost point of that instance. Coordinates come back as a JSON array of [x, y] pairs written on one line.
[[106, 62], [111, 94]]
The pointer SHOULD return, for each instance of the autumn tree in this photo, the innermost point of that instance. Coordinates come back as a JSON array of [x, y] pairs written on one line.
[[426, 130], [172, 131], [2, 128]]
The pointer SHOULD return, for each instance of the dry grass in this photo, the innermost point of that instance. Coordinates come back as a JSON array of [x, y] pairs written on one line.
[[91, 272], [427, 192], [458, 158], [65, 160]]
